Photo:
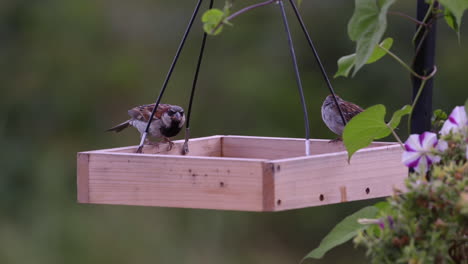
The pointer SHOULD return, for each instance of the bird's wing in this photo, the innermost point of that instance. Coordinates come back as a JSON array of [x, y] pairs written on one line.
[[350, 110], [143, 112]]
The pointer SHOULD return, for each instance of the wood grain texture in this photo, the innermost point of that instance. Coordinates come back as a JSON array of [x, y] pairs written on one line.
[[239, 173], [279, 148], [319, 180], [171, 181], [206, 146], [82, 180], [268, 190]]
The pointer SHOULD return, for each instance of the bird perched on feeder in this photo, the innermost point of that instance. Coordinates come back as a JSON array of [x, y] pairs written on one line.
[[167, 122], [331, 115]]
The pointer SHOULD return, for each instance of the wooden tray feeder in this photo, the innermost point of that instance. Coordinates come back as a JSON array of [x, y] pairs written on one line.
[[240, 172]]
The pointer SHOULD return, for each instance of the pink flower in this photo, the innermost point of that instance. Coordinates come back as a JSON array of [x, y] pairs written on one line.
[[457, 122], [419, 153]]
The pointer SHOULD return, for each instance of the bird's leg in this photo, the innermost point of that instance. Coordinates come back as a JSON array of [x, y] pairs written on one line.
[[153, 143], [168, 141], [338, 139]]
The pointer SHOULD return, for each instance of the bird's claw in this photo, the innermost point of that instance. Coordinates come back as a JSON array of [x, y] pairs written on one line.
[[170, 145], [140, 149], [338, 139]]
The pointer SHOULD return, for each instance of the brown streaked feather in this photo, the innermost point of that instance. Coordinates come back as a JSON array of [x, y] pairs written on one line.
[[143, 112], [350, 110]]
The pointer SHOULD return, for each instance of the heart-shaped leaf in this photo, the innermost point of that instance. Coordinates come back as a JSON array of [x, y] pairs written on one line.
[[396, 118], [454, 10], [213, 21], [364, 128], [343, 232], [366, 28], [346, 63]]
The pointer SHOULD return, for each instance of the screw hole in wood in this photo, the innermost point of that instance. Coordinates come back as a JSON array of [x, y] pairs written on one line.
[[321, 197], [367, 190], [221, 184], [278, 202]]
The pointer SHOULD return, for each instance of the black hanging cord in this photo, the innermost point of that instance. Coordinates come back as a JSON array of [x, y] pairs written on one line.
[[168, 76], [185, 148], [317, 58], [298, 77]]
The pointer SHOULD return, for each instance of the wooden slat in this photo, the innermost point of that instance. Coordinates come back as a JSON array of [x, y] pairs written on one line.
[[268, 190], [267, 174], [176, 181], [279, 148], [205, 146], [83, 177], [328, 178]]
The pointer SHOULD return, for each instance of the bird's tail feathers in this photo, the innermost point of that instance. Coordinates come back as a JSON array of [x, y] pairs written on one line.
[[120, 127]]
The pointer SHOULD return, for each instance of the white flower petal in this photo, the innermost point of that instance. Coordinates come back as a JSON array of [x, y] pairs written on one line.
[[442, 146], [459, 115], [423, 166], [433, 158], [449, 126], [457, 121], [410, 159], [412, 143], [429, 140]]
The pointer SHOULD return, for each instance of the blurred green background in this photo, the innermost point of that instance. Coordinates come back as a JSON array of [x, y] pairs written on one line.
[[71, 69]]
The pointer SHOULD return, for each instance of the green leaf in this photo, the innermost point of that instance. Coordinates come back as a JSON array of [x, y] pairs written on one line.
[[378, 53], [342, 232], [364, 128], [455, 8], [213, 21], [396, 118], [382, 206], [439, 115], [346, 63], [451, 20], [366, 28]]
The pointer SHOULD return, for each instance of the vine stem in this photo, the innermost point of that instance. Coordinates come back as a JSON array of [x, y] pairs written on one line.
[[420, 89], [396, 137], [243, 10], [424, 22], [406, 66], [400, 14]]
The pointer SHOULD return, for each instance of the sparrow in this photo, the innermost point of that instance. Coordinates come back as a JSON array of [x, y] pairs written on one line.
[[167, 122], [332, 118]]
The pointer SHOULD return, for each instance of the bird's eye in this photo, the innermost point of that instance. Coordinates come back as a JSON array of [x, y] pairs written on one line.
[[170, 112]]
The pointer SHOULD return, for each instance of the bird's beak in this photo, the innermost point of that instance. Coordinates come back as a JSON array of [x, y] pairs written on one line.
[[176, 116]]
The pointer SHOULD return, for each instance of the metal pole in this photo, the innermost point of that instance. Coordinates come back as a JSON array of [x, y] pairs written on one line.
[[423, 65], [185, 148], [298, 77], [169, 74], [317, 58]]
